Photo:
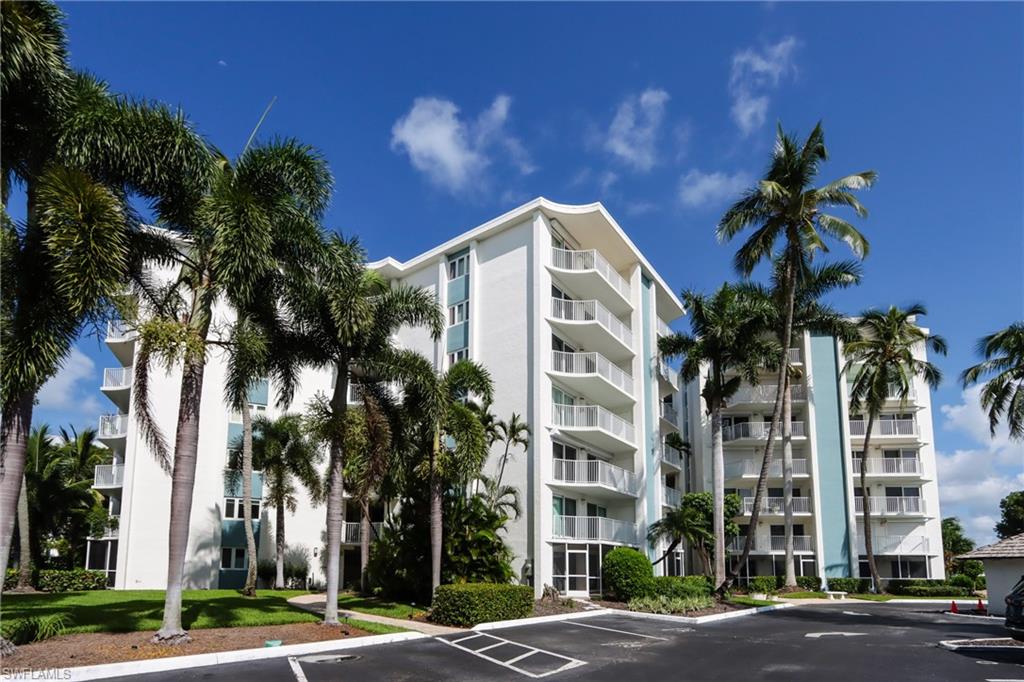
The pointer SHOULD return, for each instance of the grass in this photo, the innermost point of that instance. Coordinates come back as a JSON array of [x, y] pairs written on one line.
[[135, 610], [379, 607], [803, 595], [749, 601]]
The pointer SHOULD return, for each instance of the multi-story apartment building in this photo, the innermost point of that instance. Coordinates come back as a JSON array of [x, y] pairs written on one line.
[[564, 311], [828, 453]]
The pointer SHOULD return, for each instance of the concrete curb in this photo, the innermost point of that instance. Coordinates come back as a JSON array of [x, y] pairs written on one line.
[[156, 665], [955, 644], [959, 600], [701, 620], [533, 620]]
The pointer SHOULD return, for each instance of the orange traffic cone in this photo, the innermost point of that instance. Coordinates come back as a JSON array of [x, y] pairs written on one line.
[[981, 608], [953, 607]]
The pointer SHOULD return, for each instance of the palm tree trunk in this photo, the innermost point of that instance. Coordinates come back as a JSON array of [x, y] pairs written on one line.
[[364, 547], [13, 443], [876, 582], [183, 478], [501, 470], [718, 492], [250, 538], [787, 479], [336, 495], [435, 517], [280, 547], [671, 547], [25, 540]]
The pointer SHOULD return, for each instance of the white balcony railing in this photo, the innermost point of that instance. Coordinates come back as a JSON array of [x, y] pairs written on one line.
[[794, 355], [118, 330], [663, 328], [772, 543], [594, 528], [592, 311], [352, 531], [885, 427], [595, 472], [669, 413], [764, 393], [758, 430], [896, 544], [753, 468], [671, 497], [593, 417], [889, 465], [592, 364], [671, 455], [670, 375], [891, 506], [117, 377], [108, 476], [113, 425], [776, 505], [590, 260]]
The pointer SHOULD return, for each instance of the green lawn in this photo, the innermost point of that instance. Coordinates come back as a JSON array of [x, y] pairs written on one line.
[[378, 607], [135, 610], [803, 595], [749, 601]]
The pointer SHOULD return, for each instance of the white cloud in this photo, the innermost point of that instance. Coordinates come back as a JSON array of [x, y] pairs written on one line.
[[608, 179], [697, 188], [221, 62], [640, 208], [63, 391], [454, 153], [754, 75], [633, 134]]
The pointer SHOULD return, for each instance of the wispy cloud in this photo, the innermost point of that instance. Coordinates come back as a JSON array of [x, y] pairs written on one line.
[[755, 74], [633, 134], [454, 153], [697, 188], [72, 388]]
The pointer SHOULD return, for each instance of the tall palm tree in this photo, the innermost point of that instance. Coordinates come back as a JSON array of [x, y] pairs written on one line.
[[512, 433], [1003, 394], [347, 316], [726, 335], [809, 315], [882, 362], [785, 207], [678, 525], [82, 454], [81, 154]]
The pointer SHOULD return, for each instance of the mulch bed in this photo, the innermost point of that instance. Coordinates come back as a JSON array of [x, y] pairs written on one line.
[[101, 647], [546, 607], [719, 607], [1006, 641]]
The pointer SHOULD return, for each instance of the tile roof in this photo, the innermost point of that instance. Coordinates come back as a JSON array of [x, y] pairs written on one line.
[[1010, 548]]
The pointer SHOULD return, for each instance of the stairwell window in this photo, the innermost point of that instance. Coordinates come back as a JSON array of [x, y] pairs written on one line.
[[233, 558], [457, 267], [235, 509]]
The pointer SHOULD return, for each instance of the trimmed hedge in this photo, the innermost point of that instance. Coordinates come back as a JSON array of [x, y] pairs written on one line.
[[75, 580], [762, 584], [961, 580], [936, 591], [627, 574], [468, 604], [849, 584], [681, 587], [810, 583]]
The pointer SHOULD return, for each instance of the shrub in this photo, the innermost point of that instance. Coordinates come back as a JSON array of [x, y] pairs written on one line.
[[980, 583], [937, 591], [961, 580], [11, 579], [36, 629], [810, 583], [676, 587], [762, 584], [666, 605], [75, 580], [849, 584], [627, 574], [467, 604]]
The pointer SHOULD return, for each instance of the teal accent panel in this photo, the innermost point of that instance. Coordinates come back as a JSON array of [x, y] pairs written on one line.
[[458, 290], [650, 434], [458, 336], [232, 532], [259, 392], [831, 464], [233, 485], [231, 580]]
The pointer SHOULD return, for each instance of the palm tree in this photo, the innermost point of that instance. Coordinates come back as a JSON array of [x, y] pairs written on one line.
[[726, 335], [82, 454], [882, 362], [784, 206], [678, 525], [1003, 394], [82, 154], [809, 315], [512, 433], [346, 316]]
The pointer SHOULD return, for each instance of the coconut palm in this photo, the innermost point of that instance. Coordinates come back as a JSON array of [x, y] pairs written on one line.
[[348, 315], [727, 335], [512, 433], [678, 525], [1003, 394], [882, 363], [785, 207]]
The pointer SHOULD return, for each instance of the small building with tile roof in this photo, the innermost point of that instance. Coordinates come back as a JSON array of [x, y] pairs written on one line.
[[1004, 567]]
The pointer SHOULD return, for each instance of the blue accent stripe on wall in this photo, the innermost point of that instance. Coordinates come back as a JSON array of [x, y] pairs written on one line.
[[650, 434], [831, 462]]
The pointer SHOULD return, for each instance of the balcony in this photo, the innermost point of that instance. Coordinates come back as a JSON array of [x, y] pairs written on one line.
[[776, 505], [668, 378], [595, 477], [772, 544], [663, 328], [111, 531], [594, 528], [113, 426], [764, 395], [890, 429], [671, 456], [116, 384], [595, 425], [889, 466], [669, 415], [108, 476], [752, 469], [592, 325], [891, 506], [670, 497], [795, 356], [589, 274], [758, 431], [595, 376], [121, 340], [895, 544], [351, 535]]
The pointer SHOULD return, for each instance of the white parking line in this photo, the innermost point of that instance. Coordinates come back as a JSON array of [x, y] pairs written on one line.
[[297, 669], [569, 664], [621, 632]]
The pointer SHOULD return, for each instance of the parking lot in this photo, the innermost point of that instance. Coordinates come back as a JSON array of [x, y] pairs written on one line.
[[847, 641]]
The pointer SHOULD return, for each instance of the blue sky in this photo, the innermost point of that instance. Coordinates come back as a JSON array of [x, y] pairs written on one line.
[[435, 118]]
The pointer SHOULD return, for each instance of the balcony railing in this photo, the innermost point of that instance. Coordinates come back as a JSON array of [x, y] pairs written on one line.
[[117, 377], [663, 328], [885, 427], [891, 506], [352, 531], [594, 364], [896, 544], [889, 465], [794, 355], [118, 330], [753, 468], [592, 311], [776, 505], [773, 543], [108, 476], [590, 260], [595, 472], [671, 497], [672, 456], [113, 425], [670, 375], [593, 417], [594, 528], [669, 413], [764, 394], [758, 430]]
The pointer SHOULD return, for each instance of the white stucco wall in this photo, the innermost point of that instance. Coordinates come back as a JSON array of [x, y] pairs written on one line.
[[1000, 577]]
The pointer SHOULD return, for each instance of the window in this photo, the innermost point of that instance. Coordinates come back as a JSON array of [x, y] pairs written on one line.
[[461, 354], [458, 313], [458, 267], [233, 558], [908, 568], [233, 508], [900, 454], [563, 451], [560, 397], [902, 491], [563, 506], [597, 510], [556, 292], [560, 345]]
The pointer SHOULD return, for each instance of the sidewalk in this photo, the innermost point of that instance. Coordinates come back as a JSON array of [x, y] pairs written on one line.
[[315, 603]]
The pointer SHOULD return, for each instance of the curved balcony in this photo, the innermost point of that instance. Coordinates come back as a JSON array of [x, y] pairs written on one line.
[[663, 329], [670, 497], [595, 425], [758, 431], [891, 506], [888, 429], [889, 466], [595, 376], [121, 340], [594, 477], [108, 477], [113, 426], [895, 544], [589, 274], [668, 378], [592, 325], [752, 469], [669, 416], [773, 544], [671, 457], [776, 505], [117, 383], [594, 528], [764, 394]]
